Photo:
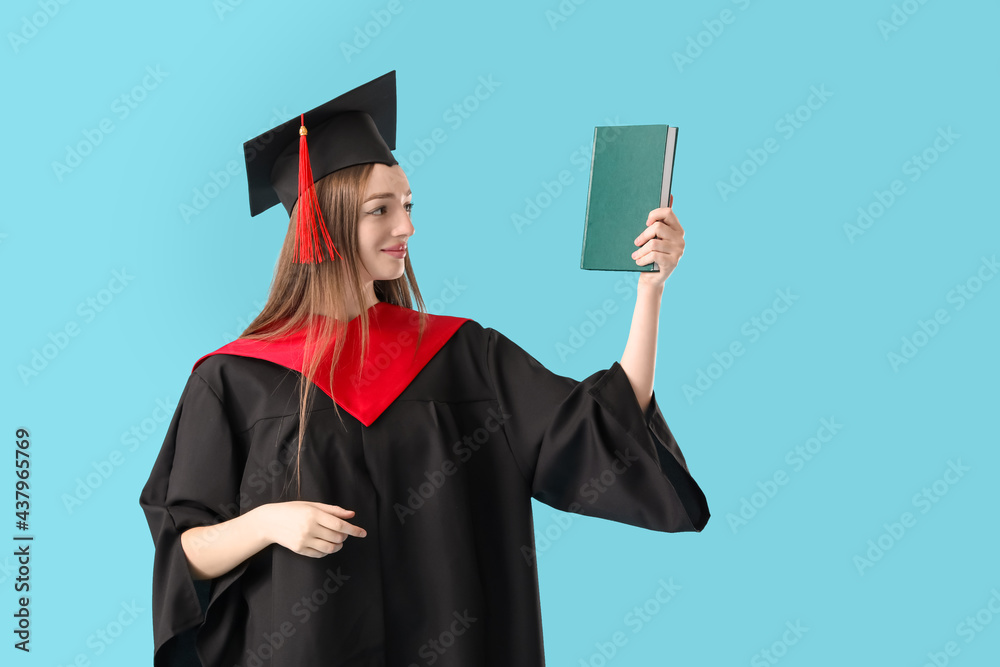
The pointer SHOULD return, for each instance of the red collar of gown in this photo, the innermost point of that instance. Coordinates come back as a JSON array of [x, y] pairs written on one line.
[[392, 362]]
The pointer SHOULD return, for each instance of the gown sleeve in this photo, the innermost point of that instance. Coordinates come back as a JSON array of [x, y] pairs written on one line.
[[195, 481], [588, 447]]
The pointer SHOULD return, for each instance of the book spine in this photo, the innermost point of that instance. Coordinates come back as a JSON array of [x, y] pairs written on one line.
[[590, 184], [670, 150]]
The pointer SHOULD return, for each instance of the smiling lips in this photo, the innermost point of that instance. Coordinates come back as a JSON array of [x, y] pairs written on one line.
[[397, 251]]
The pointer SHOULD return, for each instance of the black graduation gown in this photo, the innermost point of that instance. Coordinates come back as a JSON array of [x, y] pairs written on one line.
[[441, 479]]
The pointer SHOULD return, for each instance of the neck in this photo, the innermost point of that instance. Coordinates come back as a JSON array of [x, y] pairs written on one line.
[[351, 309]]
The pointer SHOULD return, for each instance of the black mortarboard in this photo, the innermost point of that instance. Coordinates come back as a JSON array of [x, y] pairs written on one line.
[[354, 128]]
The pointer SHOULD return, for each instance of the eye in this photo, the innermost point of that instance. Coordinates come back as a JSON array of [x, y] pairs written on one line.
[[381, 209]]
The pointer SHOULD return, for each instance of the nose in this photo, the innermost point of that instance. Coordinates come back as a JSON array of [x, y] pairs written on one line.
[[402, 225]]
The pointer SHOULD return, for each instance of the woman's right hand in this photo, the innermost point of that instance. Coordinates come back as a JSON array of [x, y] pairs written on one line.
[[309, 528]]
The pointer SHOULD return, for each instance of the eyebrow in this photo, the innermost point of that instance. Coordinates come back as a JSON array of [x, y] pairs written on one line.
[[385, 195]]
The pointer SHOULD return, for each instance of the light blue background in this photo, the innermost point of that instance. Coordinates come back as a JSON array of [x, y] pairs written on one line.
[[228, 75]]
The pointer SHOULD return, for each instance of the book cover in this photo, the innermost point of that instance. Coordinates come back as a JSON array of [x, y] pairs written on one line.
[[631, 168]]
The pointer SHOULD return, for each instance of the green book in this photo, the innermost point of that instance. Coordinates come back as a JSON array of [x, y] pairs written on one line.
[[631, 167]]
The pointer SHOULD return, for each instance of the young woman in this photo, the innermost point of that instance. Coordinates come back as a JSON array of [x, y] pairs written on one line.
[[289, 533]]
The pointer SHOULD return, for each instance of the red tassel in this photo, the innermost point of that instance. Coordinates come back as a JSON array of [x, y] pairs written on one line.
[[309, 223]]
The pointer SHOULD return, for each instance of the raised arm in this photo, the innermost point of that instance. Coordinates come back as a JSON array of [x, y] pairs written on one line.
[[662, 242], [639, 358], [570, 438]]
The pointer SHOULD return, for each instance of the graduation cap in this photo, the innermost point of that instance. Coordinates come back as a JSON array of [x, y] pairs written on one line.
[[354, 128]]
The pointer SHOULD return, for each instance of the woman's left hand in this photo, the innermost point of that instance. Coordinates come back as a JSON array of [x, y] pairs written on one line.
[[662, 242]]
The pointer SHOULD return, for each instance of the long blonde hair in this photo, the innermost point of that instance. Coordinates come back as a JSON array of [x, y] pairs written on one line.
[[300, 291]]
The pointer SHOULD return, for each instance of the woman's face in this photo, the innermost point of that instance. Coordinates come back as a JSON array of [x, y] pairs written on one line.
[[384, 223]]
